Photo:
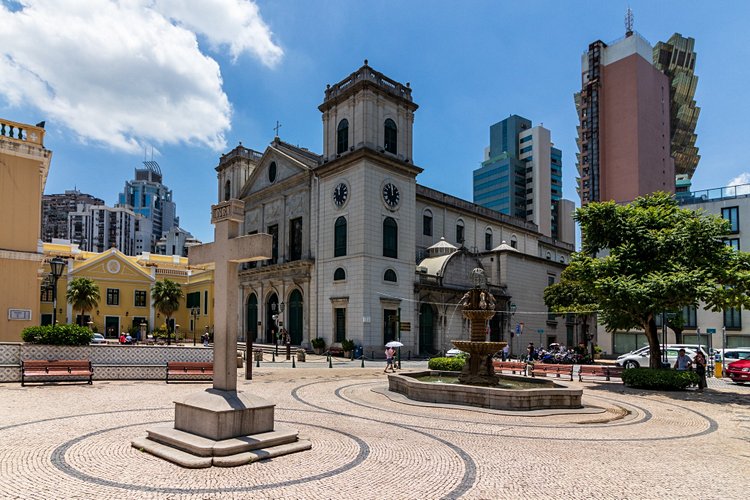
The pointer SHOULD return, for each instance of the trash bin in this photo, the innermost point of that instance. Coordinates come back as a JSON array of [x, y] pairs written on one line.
[[718, 369], [357, 352], [301, 355], [240, 359], [258, 354]]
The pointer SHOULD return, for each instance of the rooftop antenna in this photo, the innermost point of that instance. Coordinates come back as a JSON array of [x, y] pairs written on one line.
[[629, 22]]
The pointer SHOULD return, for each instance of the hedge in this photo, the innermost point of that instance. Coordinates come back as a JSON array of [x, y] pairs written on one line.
[[446, 364], [57, 335], [658, 378]]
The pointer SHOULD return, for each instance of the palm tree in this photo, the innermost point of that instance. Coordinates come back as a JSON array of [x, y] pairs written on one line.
[[166, 296], [83, 294]]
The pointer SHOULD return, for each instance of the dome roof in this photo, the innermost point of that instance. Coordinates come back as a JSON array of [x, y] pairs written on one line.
[[504, 247], [442, 247]]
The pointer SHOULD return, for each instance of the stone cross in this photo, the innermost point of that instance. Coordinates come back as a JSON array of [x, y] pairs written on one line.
[[228, 249]]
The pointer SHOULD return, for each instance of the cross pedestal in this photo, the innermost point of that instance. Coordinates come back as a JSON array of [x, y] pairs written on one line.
[[221, 426]]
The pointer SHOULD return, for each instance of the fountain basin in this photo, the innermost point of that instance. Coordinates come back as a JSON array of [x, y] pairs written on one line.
[[548, 395]]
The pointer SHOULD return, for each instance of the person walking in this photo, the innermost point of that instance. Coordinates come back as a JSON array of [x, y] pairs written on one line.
[[700, 370], [389, 354]]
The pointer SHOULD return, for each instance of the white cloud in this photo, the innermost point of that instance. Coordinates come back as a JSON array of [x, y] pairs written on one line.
[[743, 178], [122, 73]]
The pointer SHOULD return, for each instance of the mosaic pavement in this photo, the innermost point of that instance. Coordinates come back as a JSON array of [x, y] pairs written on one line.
[[73, 441]]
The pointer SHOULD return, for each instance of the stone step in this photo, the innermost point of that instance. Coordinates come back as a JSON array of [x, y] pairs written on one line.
[[261, 454], [173, 455], [205, 447]]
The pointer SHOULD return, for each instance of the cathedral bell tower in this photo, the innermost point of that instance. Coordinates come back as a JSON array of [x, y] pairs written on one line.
[[367, 195]]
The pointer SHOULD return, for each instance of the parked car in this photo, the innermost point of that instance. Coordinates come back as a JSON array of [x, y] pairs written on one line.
[[452, 353], [98, 338], [640, 357], [739, 371], [734, 354]]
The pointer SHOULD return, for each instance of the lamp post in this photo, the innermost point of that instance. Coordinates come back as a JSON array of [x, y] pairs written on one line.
[[56, 265], [176, 329], [194, 311]]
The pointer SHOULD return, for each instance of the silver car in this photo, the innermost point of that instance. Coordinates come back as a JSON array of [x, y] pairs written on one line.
[[98, 338], [640, 357]]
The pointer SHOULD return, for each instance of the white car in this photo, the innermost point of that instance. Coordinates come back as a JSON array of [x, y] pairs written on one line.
[[98, 338], [452, 353], [640, 357], [734, 354]]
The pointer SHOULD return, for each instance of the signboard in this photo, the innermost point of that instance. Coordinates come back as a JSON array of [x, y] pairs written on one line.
[[19, 314], [710, 330], [405, 326], [541, 330]]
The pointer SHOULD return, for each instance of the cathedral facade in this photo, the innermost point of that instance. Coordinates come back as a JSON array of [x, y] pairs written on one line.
[[363, 252]]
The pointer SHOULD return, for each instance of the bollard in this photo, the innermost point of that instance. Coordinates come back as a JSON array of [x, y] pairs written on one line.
[[257, 362], [351, 355], [363, 360], [273, 357], [330, 362], [293, 365], [409, 356]]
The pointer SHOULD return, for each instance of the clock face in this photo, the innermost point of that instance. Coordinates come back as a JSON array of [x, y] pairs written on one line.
[[391, 195], [340, 194]]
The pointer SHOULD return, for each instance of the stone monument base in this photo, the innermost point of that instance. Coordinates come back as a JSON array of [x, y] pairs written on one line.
[[220, 428]]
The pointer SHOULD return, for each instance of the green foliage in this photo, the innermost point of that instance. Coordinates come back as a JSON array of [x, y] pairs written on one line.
[[649, 256], [658, 378], [347, 345], [161, 332], [166, 296], [597, 349], [446, 364], [57, 335], [83, 295], [318, 343]]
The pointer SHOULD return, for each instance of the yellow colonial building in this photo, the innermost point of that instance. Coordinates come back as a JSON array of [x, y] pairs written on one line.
[[125, 284], [24, 164]]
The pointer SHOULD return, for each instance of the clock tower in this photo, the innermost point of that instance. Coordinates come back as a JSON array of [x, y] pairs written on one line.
[[366, 214]]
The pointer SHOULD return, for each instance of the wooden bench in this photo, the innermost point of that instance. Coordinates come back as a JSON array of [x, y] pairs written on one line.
[[512, 366], [543, 369], [189, 368], [599, 371], [46, 369]]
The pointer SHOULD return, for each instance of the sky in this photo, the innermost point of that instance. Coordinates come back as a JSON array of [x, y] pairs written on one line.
[[183, 81]]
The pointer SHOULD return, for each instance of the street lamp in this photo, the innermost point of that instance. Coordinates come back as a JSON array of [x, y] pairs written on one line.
[[176, 329], [56, 265]]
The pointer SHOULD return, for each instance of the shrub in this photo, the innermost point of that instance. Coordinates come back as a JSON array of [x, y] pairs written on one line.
[[658, 378], [347, 345], [318, 342], [446, 364], [57, 335]]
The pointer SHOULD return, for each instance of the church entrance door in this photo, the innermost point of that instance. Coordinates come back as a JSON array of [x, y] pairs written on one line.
[[272, 309], [295, 317], [390, 319], [426, 329], [251, 326]]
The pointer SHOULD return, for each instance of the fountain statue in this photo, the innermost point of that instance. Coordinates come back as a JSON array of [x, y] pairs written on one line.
[[479, 306]]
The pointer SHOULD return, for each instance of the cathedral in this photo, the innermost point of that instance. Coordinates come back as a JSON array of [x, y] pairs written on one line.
[[363, 252]]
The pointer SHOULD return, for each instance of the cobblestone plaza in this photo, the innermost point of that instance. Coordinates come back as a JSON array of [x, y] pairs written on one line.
[[73, 441]]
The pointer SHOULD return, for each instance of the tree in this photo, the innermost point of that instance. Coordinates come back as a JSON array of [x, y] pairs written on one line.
[[166, 296], [650, 256], [83, 294]]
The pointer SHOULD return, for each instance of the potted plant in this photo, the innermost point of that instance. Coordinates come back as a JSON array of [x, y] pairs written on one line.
[[318, 344], [597, 352], [348, 346]]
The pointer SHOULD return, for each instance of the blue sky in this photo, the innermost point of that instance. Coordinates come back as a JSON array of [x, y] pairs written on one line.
[[192, 79]]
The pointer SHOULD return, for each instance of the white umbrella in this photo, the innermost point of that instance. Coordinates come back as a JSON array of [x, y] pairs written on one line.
[[394, 343]]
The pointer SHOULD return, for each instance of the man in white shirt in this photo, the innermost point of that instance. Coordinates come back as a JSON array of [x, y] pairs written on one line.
[[683, 361]]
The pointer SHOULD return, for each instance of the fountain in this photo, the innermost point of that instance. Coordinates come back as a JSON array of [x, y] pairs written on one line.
[[478, 385], [479, 306]]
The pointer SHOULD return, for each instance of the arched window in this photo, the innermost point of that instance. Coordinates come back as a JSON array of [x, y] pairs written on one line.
[[339, 237], [227, 190], [390, 136], [488, 239], [390, 275], [342, 136], [427, 223], [513, 241], [549, 255], [390, 238], [460, 232], [339, 274]]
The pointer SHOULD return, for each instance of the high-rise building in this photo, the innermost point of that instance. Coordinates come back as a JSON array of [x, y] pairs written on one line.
[[624, 132], [97, 228], [521, 176], [55, 210], [676, 58], [147, 196]]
